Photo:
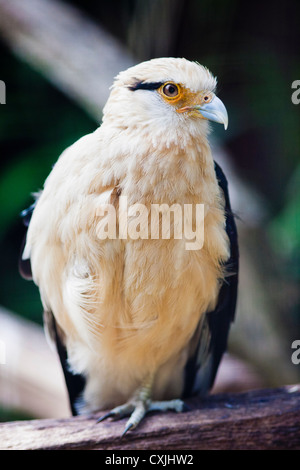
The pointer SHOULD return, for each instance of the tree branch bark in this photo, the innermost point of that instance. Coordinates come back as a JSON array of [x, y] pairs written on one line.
[[264, 419]]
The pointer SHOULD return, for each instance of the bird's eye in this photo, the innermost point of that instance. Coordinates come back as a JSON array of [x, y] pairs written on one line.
[[170, 90], [207, 98]]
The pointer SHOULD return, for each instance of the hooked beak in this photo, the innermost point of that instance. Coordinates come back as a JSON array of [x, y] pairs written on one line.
[[213, 111]]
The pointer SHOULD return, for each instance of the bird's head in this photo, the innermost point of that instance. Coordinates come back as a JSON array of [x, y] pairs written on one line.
[[173, 95]]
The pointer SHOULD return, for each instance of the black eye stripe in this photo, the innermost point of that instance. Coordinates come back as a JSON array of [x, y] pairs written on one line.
[[146, 86]]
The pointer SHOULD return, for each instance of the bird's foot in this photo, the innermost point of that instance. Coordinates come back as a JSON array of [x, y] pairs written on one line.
[[139, 406]]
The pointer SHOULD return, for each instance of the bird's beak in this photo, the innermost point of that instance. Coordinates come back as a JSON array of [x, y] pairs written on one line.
[[213, 111]]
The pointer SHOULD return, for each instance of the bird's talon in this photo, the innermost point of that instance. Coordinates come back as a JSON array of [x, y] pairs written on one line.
[[127, 428], [118, 412], [102, 418]]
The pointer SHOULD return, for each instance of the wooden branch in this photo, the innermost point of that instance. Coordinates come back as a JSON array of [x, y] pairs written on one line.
[[264, 419], [69, 49]]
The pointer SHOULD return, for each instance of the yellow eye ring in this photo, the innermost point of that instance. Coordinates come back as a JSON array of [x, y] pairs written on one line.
[[207, 97], [170, 90]]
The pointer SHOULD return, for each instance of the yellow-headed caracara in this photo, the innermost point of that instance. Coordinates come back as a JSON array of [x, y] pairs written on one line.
[[140, 322]]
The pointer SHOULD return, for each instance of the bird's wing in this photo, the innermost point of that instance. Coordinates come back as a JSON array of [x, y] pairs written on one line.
[[210, 339], [75, 383], [24, 263]]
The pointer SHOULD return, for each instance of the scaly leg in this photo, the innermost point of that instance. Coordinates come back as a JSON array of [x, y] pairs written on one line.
[[140, 404]]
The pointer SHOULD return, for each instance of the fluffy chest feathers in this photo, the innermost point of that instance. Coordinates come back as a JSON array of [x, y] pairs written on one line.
[[119, 296], [134, 248]]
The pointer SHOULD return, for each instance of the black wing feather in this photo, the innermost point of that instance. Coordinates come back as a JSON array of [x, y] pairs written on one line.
[[75, 383], [216, 322], [24, 264]]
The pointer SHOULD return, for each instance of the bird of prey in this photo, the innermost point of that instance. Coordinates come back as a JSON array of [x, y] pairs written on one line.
[[140, 323]]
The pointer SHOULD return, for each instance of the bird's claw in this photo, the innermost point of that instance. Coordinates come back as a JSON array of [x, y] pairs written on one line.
[[127, 428], [118, 412], [139, 408], [102, 418]]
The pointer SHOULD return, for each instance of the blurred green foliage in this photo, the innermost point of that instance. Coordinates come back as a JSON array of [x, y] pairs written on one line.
[[7, 414], [284, 229]]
